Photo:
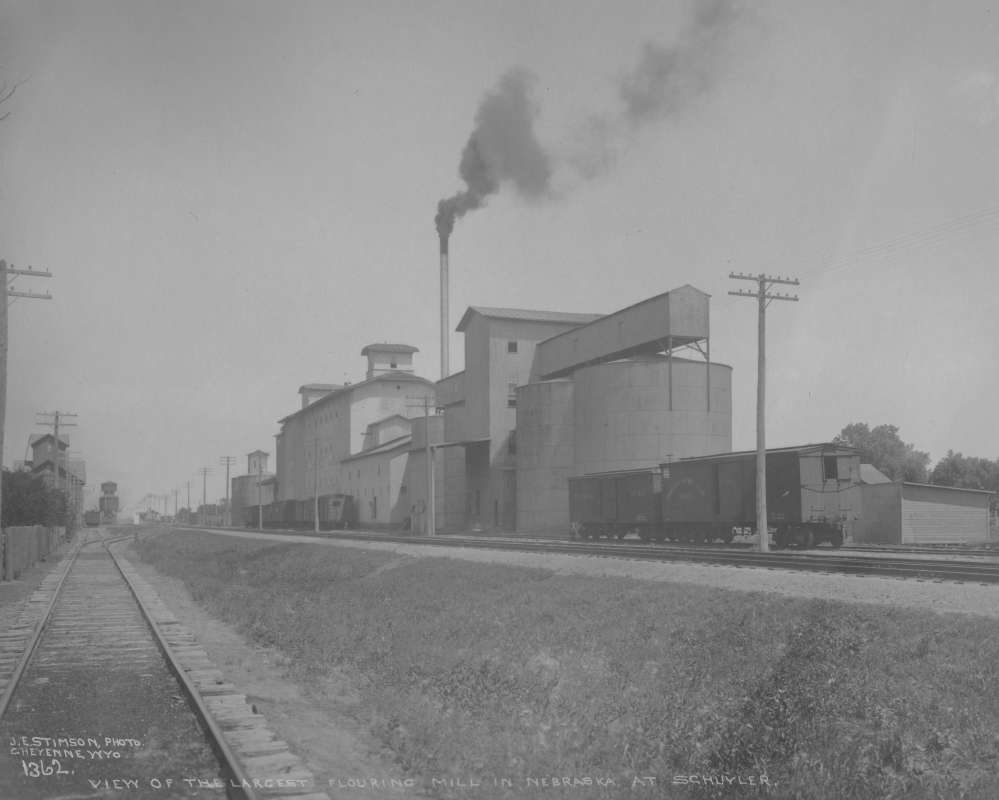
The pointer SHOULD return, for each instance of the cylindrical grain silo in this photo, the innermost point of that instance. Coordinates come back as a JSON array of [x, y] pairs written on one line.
[[627, 414], [545, 433]]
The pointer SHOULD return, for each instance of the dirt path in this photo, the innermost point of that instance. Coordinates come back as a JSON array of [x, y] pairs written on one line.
[[320, 723]]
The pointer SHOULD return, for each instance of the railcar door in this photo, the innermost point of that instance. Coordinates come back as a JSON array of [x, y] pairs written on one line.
[[732, 506], [608, 499]]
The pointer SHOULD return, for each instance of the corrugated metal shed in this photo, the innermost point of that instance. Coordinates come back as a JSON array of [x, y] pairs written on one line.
[[916, 513], [943, 514]]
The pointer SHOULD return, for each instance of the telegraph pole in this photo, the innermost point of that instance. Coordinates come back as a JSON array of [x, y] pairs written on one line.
[[227, 461], [315, 487], [260, 506], [188, 502], [5, 294], [204, 472], [431, 505], [763, 295], [175, 506]]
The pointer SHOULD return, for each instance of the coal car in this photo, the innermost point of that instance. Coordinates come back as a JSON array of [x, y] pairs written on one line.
[[812, 493]]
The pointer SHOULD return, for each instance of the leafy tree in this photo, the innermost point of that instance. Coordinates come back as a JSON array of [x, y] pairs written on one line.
[[28, 500], [882, 447], [968, 472]]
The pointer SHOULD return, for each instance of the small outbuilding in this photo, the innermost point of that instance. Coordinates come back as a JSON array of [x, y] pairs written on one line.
[[916, 513]]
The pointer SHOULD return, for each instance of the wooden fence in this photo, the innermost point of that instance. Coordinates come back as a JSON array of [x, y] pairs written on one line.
[[24, 546]]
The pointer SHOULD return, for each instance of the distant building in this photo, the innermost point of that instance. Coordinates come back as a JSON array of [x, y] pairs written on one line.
[[545, 395], [349, 439], [51, 461], [211, 515], [108, 502], [251, 490]]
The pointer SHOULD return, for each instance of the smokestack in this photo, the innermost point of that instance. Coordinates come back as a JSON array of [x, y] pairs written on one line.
[[444, 305]]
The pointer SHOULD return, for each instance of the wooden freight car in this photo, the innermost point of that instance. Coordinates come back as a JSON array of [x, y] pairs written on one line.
[[812, 491], [615, 504]]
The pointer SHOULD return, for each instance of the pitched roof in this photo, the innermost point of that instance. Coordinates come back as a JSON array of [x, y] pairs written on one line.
[[385, 347], [384, 376], [319, 387], [822, 447], [526, 315], [392, 444], [871, 474], [35, 438]]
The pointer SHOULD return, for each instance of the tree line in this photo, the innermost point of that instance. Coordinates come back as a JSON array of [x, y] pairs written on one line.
[[901, 461]]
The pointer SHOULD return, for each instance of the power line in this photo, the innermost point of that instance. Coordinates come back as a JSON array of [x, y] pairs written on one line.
[[227, 461], [204, 472], [925, 236], [5, 294]]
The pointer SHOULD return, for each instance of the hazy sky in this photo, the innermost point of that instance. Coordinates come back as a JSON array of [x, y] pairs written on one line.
[[236, 197]]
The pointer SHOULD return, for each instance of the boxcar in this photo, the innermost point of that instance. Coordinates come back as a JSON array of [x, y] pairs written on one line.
[[812, 491], [615, 504]]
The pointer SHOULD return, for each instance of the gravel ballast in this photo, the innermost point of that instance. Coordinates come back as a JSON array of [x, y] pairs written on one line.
[[937, 596]]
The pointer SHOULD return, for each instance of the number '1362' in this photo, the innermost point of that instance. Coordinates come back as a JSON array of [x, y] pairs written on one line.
[[39, 769]]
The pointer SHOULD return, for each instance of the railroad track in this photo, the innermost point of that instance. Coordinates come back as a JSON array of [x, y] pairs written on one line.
[[106, 694], [831, 561], [939, 549]]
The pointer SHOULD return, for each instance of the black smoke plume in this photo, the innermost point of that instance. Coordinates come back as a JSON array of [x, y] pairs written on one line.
[[502, 148]]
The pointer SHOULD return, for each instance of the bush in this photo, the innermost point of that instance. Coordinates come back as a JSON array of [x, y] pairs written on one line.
[[28, 500]]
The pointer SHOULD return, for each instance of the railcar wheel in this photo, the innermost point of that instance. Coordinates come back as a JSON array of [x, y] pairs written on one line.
[[780, 540], [836, 539]]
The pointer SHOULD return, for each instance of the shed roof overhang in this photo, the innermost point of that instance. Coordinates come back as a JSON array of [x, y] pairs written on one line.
[[664, 323]]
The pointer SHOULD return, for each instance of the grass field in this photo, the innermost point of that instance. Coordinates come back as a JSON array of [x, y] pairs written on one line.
[[506, 675]]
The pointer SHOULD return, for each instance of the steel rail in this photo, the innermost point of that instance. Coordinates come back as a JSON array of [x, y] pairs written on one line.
[[228, 759], [40, 626]]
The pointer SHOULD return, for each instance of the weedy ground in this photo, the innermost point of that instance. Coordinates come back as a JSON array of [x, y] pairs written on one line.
[[500, 672]]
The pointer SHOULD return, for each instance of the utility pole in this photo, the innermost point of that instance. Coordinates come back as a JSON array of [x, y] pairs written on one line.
[[227, 461], [5, 294], [315, 487], [763, 295], [260, 502], [188, 502], [205, 472], [175, 505], [428, 451]]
